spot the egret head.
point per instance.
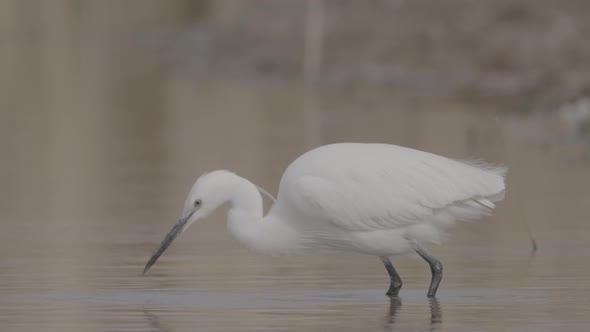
(209, 192)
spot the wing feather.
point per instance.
(387, 187)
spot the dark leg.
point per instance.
(395, 280)
(435, 267)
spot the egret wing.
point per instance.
(390, 192)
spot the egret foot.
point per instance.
(435, 267)
(395, 281)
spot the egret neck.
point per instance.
(269, 234)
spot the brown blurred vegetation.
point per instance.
(530, 53)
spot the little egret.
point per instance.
(375, 199)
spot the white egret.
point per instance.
(376, 199)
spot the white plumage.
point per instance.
(376, 187)
(377, 199)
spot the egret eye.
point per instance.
(198, 203)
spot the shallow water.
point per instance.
(76, 263)
(97, 163)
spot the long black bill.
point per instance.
(172, 234)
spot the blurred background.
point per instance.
(109, 110)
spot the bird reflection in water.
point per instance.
(395, 305)
(435, 314)
(154, 322)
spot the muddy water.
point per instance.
(100, 143)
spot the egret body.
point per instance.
(376, 199)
